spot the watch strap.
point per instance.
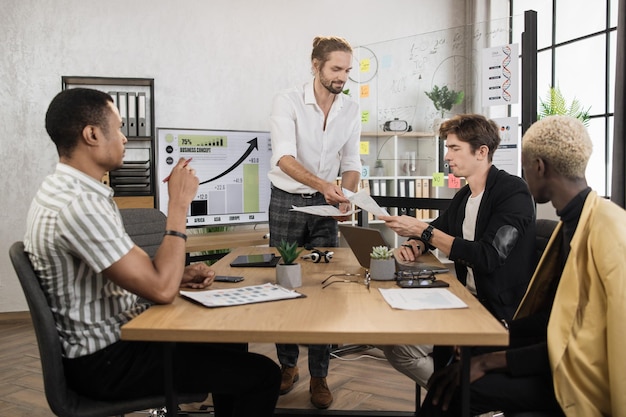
(427, 234)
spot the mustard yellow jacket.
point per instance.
(587, 326)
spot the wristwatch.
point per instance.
(427, 234)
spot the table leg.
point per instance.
(171, 396)
(465, 380)
(418, 398)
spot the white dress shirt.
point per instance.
(297, 129)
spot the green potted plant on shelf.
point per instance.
(382, 264)
(555, 104)
(444, 98)
(288, 272)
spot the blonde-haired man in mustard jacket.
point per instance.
(586, 330)
(567, 338)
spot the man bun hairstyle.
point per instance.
(324, 45)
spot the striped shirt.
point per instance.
(74, 231)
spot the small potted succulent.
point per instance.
(288, 272)
(382, 264)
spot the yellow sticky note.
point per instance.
(453, 182)
(365, 116)
(438, 179)
(365, 65)
(365, 91)
(364, 148)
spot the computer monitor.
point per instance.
(232, 166)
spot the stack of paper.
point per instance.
(421, 298)
(242, 295)
(361, 199)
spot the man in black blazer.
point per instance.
(488, 231)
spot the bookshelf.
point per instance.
(134, 182)
(409, 160)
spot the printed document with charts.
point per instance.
(241, 295)
(421, 298)
(361, 199)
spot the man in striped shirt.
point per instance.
(93, 274)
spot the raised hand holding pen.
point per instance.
(182, 184)
(166, 179)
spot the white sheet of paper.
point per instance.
(324, 210)
(241, 295)
(421, 298)
(366, 202)
(361, 199)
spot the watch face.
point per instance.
(427, 233)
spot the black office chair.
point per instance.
(544, 230)
(63, 401)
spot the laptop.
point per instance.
(362, 239)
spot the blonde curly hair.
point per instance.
(562, 141)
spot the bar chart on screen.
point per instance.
(232, 169)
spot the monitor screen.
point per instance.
(232, 167)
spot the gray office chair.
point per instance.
(145, 226)
(63, 401)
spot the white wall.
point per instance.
(216, 64)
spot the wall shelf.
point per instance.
(133, 183)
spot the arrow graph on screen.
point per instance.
(253, 145)
(232, 167)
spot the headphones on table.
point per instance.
(317, 255)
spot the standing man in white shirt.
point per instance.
(315, 133)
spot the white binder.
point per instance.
(142, 127)
(122, 105)
(132, 114)
(113, 95)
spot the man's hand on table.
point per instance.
(197, 276)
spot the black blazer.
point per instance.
(502, 255)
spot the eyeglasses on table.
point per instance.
(328, 281)
(415, 279)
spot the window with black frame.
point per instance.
(576, 44)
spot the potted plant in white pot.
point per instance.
(288, 273)
(382, 264)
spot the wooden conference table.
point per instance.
(343, 313)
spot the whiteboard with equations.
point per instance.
(393, 76)
(232, 167)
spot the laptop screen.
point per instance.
(362, 239)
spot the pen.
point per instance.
(451, 359)
(166, 179)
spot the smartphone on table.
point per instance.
(227, 278)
